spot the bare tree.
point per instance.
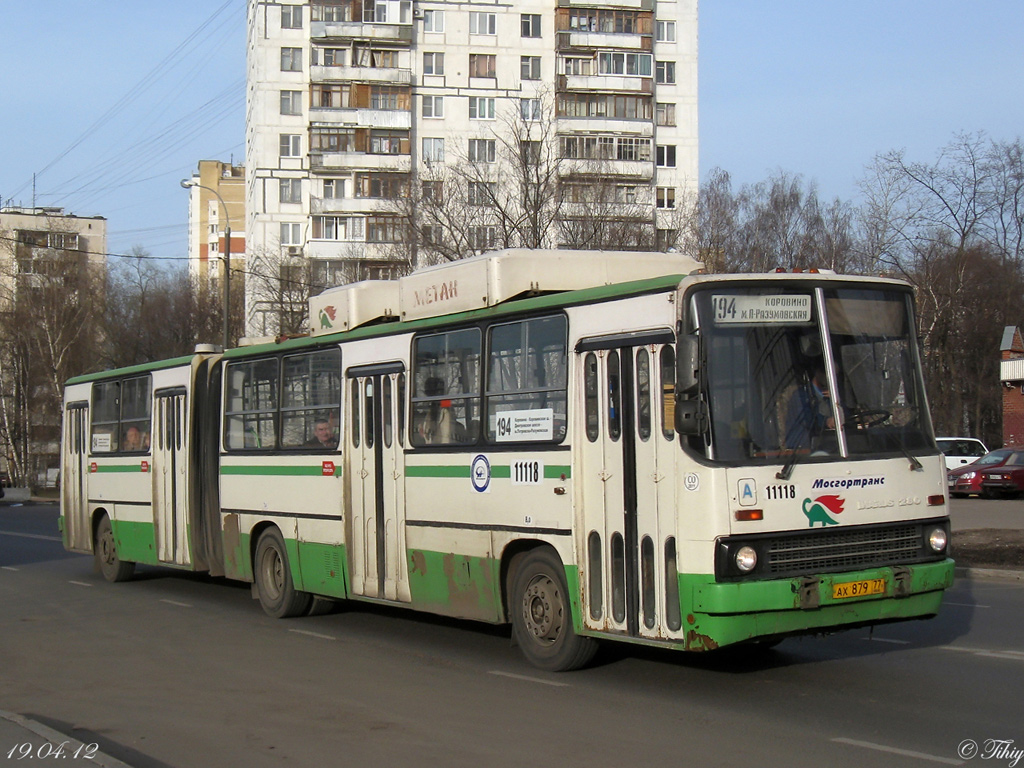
(50, 299)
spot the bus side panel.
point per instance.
(445, 578)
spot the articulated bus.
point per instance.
(586, 445)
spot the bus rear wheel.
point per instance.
(277, 594)
(104, 550)
(542, 616)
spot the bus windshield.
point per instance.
(794, 371)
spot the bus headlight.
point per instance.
(746, 559)
(937, 539)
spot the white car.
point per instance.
(960, 450)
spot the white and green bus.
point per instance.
(586, 445)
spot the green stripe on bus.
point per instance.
(260, 469)
(100, 468)
(499, 471)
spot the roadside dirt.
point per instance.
(988, 548)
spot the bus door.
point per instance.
(377, 481)
(169, 443)
(74, 479)
(628, 502)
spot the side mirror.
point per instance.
(688, 364)
(691, 417)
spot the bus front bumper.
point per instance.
(726, 613)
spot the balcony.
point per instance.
(644, 5)
(620, 83)
(366, 118)
(346, 206)
(358, 30)
(389, 75)
(631, 126)
(604, 40)
(345, 161)
(638, 170)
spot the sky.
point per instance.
(110, 105)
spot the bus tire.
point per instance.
(273, 576)
(104, 550)
(542, 615)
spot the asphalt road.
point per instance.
(180, 670)
(987, 513)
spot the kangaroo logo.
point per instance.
(821, 509)
(327, 317)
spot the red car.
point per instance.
(966, 480)
(1006, 480)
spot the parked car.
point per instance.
(1006, 480)
(960, 451)
(966, 480)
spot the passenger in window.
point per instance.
(145, 441)
(324, 435)
(132, 440)
(438, 426)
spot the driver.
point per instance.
(810, 411)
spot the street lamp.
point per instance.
(188, 184)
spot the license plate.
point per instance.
(995, 477)
(858, 588)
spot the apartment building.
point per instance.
(365, 118)
(216, 207)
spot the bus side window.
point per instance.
(106, 404)
(668, 392)
(591, 400)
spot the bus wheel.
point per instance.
(278, 595)
(105, 554)
(542, 617)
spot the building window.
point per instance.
(338, 228)
(483, 150)
(529, 67)
(291, 190)
(574, 65)
(665, 31)
(483, 23)
(330, 57)
(291, 102)
(483, 65)
(433, 150)
(364, 56)
(433, 63)
(433, 191)
(291, 59)
(530, 24)
(375, 11)
(433, 106)
(291, 233)
(609, 63)
(332, 11)
(666, 197)
(381, 186)
(291, 145)
(666, 155)
(665, 113)
(481, 192)
(334, 189)
(482, 237)
(481, 107)
(665, 72)
(529, 109)
(332, 140)
(383, 229)
(291, 17)
(385, 142)
(433, 21)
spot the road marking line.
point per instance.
(985, 652)
(901, 752)
(175, 602)
(887, 640)
(966, 605)
(528, 679)
(312, 634)
(31, 536)
(80, 583)
(7, 568)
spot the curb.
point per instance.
(54, 737)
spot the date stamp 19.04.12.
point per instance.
(27, 751)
